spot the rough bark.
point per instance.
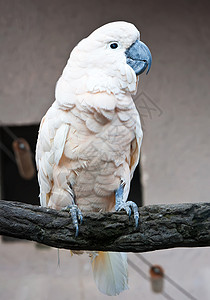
(161, 227)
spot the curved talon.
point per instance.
(76, 216)
(136, 217)
(80, 217)
(128, 207)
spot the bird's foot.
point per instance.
(130, 206)
(76, 216)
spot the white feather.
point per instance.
(110, 272)
(59, 142)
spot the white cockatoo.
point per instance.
(89, 140)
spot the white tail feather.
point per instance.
(110, 272)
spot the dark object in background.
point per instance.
(136, 190)
(156, 278)
(14, 187)
(24, 158)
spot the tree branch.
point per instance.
(161, 227)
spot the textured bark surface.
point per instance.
(161, 227)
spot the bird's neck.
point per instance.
(117, 80)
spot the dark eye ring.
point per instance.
(113, 45)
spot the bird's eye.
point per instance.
(113, 45)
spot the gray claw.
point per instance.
(128, 207)
(80, 217)
(76, 216)
(136, 217)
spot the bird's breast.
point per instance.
(98, 158)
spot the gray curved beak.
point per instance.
(138, 57)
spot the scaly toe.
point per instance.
(76, 216)
(130, 206)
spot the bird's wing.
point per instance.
(136, 145)
(131, 120)
(50, 146)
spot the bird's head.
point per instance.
(109, 60)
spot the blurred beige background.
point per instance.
(36, 38)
